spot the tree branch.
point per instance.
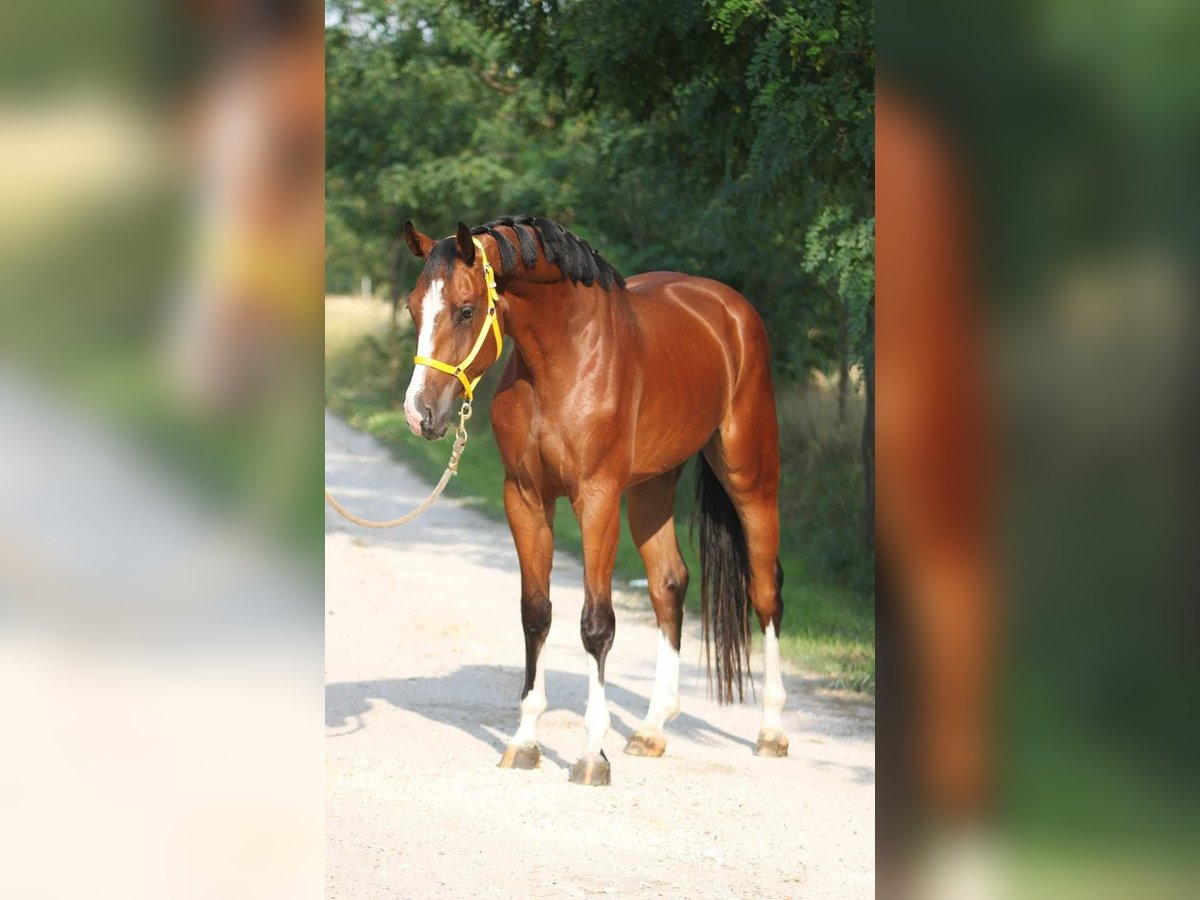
(491, 81)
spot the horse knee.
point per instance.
(676, 583)
(668, 589)
(535, 615)
(597, 626)
(670, 583)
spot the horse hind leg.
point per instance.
(771, 739)
(748, 468)
(652, 525)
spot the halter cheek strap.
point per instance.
(492, 320)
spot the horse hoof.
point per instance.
(771, 743)
(591, 770)
(646, 744)
(520, 756)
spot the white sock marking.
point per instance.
(596, 717)
(432, 309)
(664, 700)
(774, 695)
(532, 706)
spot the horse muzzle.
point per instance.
(425, 421)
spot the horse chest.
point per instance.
(568, 455)
(552, 450)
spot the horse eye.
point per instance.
(467, 312)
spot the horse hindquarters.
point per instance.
(737, 492)
(652, 525)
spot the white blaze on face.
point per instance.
(432, 308)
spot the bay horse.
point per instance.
(612, 386)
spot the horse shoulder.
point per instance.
(512, 414)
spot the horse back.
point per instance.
(716, 322)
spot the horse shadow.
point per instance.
(481, 701)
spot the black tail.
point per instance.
(724, 584)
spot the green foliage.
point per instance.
(710, 134)
(810, 77)
(421, 123)
(839, 251)
(703, 137)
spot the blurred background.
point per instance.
(727, 139)
(160, 292)
(160, 575)
(1038, 215)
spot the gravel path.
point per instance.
(423, 671)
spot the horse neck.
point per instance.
(556, 325)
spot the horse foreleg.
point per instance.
(599, 520)
(531, 521)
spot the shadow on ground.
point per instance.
(482, 701)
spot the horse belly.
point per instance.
(675, 423)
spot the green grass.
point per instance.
(828, 625)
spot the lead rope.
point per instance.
(460, 443)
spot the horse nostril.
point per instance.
(427, 429)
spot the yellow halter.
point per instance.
(460, 371)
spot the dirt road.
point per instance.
(423, 671)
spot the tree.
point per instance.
(419, 111)
(727, 138)
(715, 133)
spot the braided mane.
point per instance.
(571, 253)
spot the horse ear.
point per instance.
(466, 244)
(418, 243)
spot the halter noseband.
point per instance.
(492, 319)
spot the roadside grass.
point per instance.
(828, 625)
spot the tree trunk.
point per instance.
(843, 388)
(843, 362)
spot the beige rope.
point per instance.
(460, 443)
